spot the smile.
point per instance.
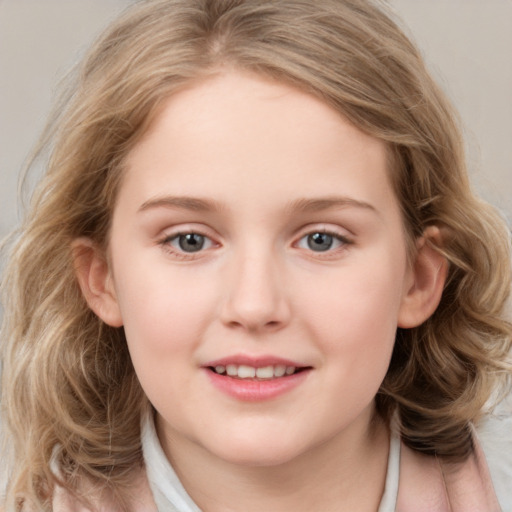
(250, 372)
(255, 379)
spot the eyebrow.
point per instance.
(196, 204)
(326, 203)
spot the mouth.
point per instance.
(256, 378)
(256, 373)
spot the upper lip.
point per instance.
(254, 361)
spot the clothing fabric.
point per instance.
(414, 482)
(495, 434)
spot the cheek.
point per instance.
(164, 325)
(354, 312)
(164, 310)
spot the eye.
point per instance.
(321, 241)
(188, 242)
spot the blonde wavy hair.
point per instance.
(70, 396)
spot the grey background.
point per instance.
(467, 44)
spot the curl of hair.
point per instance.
(69, 391)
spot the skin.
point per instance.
(273, 165)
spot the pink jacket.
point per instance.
(429, 485)
(426, 484)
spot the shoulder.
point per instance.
(432, 483)
(140, 498)
(495, 434)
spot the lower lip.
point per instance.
(256, 390)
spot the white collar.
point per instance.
(170, 495)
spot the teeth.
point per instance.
(279, 370)
(249, 372)
(246, 372)
(267, 372)
(232, 370)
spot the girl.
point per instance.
(254, 276)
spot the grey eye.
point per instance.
(320, 242)
(189, 242)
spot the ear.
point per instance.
(426, 281)
(95, 280)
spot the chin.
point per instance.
(260, 451)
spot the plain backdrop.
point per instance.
(467, 44)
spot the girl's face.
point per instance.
(258, 265)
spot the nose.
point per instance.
(256, 297)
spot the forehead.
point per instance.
(239, 134)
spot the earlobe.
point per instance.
(95, 281)
(428, 276)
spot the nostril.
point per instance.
(273, 323)
(254, 310)
(255, 326)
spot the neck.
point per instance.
(347, 472)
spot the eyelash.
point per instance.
(343, 241)
(165, 242)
